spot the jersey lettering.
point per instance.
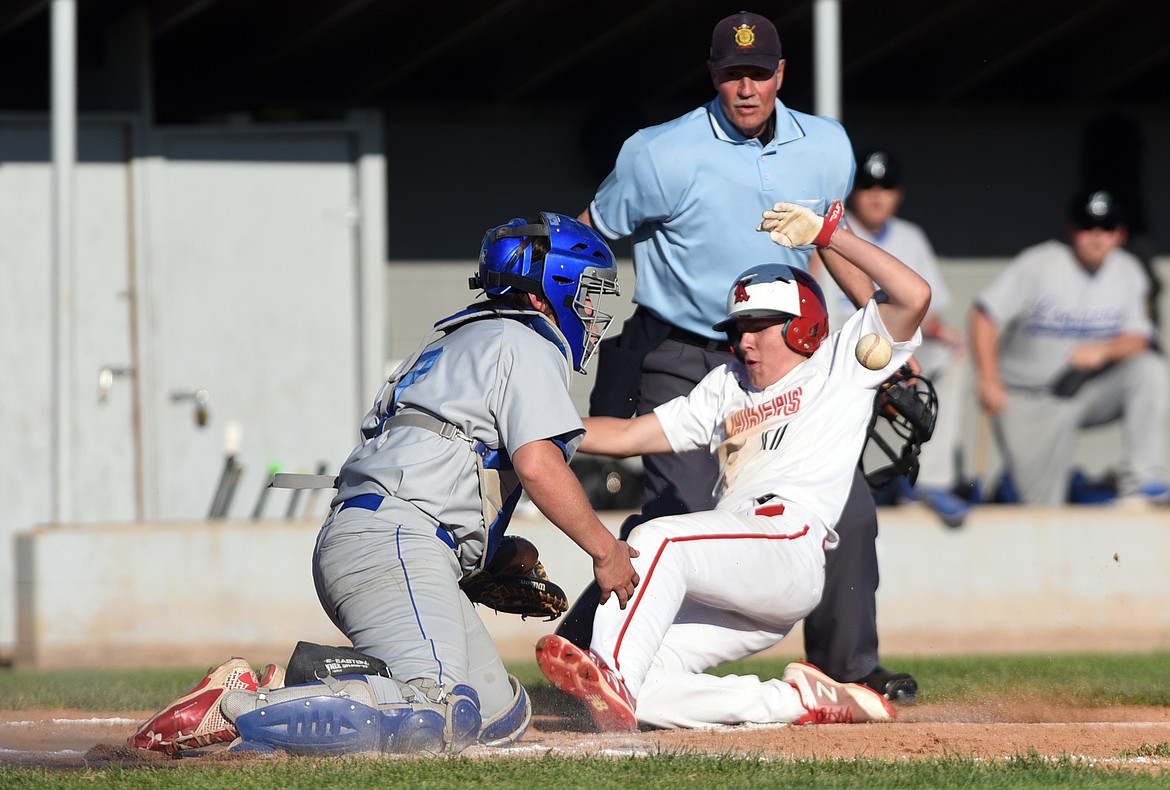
(785, 404)
(425, 363)
(770, 440)
(1073, 321)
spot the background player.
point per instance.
(1062, 340)
(688, 192)
(479, 411)
(872, 212)
(786, 420)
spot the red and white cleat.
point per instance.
(271, 676)
(582, 674)
(194, 719)
(830, 702)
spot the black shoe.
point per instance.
(897, 687)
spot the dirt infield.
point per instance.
(65, 738)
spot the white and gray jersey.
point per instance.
(798, 439)
(1045, 303)
(500, 383)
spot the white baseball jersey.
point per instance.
(800, 438)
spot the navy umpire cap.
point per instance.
(745, 39)
(877, 169)
(1096, 209)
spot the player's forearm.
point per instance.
(984, 338)
(623, 438)
(853, 282)
(1124, 346)
(556, 492)
(907, 294)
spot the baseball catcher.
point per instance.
(479, 414)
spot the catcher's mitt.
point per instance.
(516, 583)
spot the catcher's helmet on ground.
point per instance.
(910, 408)
(565, 262)
(773, 289)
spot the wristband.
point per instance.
(832, 220)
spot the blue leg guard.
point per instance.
(312, 725)
(510, 724)
(463, 718)
(336, 718)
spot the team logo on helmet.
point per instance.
(745, 36)
(741, 294)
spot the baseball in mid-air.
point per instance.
(874, 351)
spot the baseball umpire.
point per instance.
(685, 191)
(480, 412)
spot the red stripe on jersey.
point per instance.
(645, 584)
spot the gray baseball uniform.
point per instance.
(408, 523)
(1044, 304)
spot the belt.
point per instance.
(691, 339)
(374, 501)
(770, 510)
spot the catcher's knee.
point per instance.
(343, 716)
(510, 724)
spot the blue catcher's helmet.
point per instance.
(571, 271)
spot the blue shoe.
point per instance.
(1156, 493)
(950, 508)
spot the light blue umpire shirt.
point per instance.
(691, 192)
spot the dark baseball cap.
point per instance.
(877, 169)
(745, 39)
(1096, 209)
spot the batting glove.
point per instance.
(791, 225)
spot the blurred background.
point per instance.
(268, 202)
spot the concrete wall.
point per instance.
(1012, 579)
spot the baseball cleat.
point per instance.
(271, 677)
(194, 720)
(1156, 493)
(830, 702)
(582, 674)
(895, 686)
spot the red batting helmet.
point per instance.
(773, 289)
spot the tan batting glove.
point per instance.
(792, 225)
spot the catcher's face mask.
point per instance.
(903, 414)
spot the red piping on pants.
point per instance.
(658, 555)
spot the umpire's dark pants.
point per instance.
(840, 635)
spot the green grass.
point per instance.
(95, 689)
(1078, 679)
(667, 771)
(1083, 679)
